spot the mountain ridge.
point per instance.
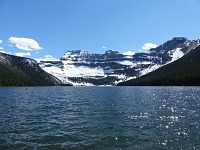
(80, 67)
(21, 71)
(183, 72)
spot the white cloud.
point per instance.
(1, 51)
(47, 58)
(104, 47)
(21, 54)
(129, 53)
(148, 46)
(25, 43)
(1, 41)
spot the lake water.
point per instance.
(100, 118)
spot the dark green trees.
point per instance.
(19, 71)
(183, 72)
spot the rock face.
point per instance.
(20, 71)
(80, 67)
(183, 72)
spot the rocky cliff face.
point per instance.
(80, 67)
(183, 72)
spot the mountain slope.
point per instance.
(184, 71)
(80, 67)
(19, 71)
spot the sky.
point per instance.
(45, 28)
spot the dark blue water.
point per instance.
(100, 118)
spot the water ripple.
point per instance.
(100, 118)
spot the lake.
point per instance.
(100, 118)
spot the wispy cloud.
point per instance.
(148, 46)
(47, 58)
(1, 41)
(104, 47)
(21, 54)
(27, 44)
(2, 51)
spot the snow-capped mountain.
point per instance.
(80, 67)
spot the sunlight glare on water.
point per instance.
(100, 118)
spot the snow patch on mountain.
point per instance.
(149, 69)
(82, 71)
(81, 67)
(128, 63)
(129, 53)
(176, 54)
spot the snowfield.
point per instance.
(78, 66)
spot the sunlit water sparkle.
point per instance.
(100, 118)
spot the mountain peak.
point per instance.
(179, 39)
(111, 52)
(81, 67)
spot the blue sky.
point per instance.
(35, 28)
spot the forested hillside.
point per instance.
(183, 72)
(19, 71)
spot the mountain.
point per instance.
(80, 67)
(19, 71)
(185, 71)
